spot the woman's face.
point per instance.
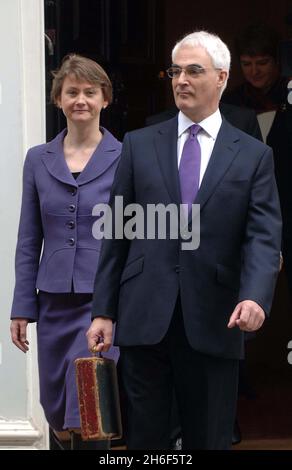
(81, 101)
(261, 71)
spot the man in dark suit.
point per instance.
(181, 313)
(244, 119)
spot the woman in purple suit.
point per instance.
(57, 255)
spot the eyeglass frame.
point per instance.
(197, 70)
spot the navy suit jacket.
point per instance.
(138, 281)
(56, 215)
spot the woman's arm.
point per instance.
(29, 245)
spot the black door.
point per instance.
(127, 38)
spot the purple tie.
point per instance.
(189, 168)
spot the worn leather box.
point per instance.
(98, 396)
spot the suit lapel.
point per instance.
(54, 160)
(224, 152)
(103, 157)
(166, 151)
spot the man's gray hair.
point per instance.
(213, 45)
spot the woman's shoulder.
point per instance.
(33, 155)
(37, 150)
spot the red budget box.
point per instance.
(98, 396)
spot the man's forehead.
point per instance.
(192, 55)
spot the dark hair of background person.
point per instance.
(258, 39)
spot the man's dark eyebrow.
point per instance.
(189, 65)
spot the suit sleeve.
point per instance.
(262, 243)
(114, 251)
(28, 250)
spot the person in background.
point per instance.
(180, 314)
(265, 91)
(56, 254)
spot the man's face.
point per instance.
(198, 95)
(261, 71)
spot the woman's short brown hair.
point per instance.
(81, 68)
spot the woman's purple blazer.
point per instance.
(56, 249)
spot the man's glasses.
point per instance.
(192, 70)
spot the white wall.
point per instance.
(22, 124)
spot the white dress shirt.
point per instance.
(206, 137)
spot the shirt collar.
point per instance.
(210, 124)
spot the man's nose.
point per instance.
(182, 78)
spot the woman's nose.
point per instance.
(80, 98)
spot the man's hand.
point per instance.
(247, 315)
(99, 335)
(18, 328)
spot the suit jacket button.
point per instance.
(70, 224)
(72, 208)
(72, 190)
(177, 268)
(71, 241)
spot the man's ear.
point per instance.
(222, 77)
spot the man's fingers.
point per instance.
(234, 316)
(247, 316)
(107, 341)
(97, 347)
(99, 335)
(103, 344)
(251, 318)
(244, 318)
(253, 324)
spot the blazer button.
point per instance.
(177, 268)
(72, 208)
(72, 190)
(70, 224)
(71, 241)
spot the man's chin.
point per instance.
(181, 103)
(183, 107)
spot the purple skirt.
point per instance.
(63, 322)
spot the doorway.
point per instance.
(132, 41)
(124, 37)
